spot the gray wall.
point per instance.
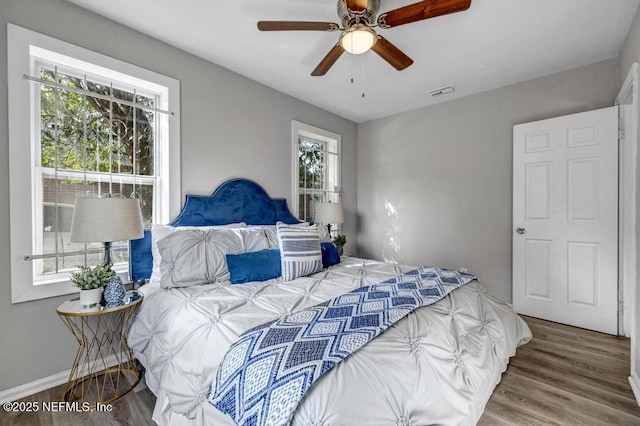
(630, 51)
(435, 184)
(231, 127)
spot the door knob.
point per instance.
(521, 230)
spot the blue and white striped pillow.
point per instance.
(299, 250)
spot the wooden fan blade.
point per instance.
(423, 10)
(390, 53)
(327, 62)
(297, 26)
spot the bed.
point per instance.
(437, 365)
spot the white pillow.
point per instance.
(323, 233)
(300, 251)
(272, 233)
(158, 232)
(196, 256)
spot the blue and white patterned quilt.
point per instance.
(270, 368)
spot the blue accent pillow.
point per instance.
(330, 255)
(260, 265)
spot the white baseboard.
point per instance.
(634, 380)
(19, 392)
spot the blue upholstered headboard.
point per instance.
(236, 200)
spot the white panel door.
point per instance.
(565, 218)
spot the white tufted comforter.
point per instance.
(438, 365)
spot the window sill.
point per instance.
(47, 290)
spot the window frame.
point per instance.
(299, 129)
(25, 49)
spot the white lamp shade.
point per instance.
(358, 40)
(106, 220)
(329, 213)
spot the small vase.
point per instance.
(90, 298)
(340, 249)
(114, 292)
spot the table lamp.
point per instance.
(329, 213)
(105, 220)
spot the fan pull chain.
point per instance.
(352, 80)
(351, 64)
(363, 74)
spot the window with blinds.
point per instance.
(316, 169)
(81, 123)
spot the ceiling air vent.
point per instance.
(442, 91)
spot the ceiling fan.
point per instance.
(358, 19)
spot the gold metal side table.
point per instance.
(104, 368)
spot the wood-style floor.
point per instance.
(564, 376)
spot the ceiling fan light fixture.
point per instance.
(358, 39)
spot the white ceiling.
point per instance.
(493, 44)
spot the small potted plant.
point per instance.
(340, 240)
(91, 282)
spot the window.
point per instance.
(81, 123)
(316, 169)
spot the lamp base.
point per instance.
(107, 253)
